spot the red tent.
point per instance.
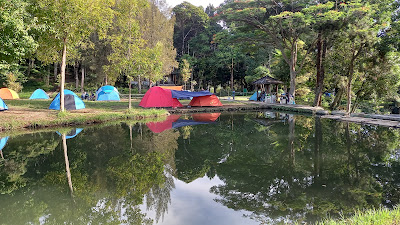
(158, 127)
(159, 97)
(210, 100)
(206, 117)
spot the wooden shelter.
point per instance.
(265, 84)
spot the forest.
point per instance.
(335, 54)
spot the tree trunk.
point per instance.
(55, 72)
(48, 76)
(320, 75)
(293, 62)
(130, 94)
(232, 75)
(349, 79)
(106, 80)
(183, 38)
(76, 76)
(67, 169)
(337, 100)
(139, 84)
(62, 83)
(82, 78)
(31, 64)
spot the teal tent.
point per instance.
(39, 94)
(3, 105)
(254, 96)
(72, 101)
(3, 142)
(72, 133)
(107, 93)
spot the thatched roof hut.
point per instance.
(267, 80)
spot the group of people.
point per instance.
(283, 99)
(86, 96)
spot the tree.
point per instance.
(186, 71)
(157, 29)
(16, 39)
(127, 56)
(357, 42)
(190, 20)
(281, 24)
(66, 24)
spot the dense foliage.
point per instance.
(338, 54)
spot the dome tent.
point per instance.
(210, 100)
(72, 101)
(72, 133)
(159, 97)
(39, 94)
(3, 105)
(3, 142)
(254, 96)
(6, 93)
(107, 93)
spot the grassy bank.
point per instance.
(35, 114)
(376, 217)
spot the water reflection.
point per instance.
(3, 142)
(174, 121)
(269, 167)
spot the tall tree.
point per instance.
(16, 39)
(190, 20)
(127, 57)
(66, 24)
(282, 24)
(186, 71)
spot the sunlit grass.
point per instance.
(373, 216)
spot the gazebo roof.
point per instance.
(267, 80)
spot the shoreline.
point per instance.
(30, 115)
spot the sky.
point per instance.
(203, 3)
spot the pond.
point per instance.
(233, 168)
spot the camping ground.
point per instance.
(24, 113)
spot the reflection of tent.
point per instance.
(183, 123)
(206, 117)
(39, 94)
(72, 133)
(107, 93)
(3, 142)
(158, 127)
(254, 96)
(3, 105)
(210, 100)
(72, 101)
(159, 97)
(172, 121)
(6, 93)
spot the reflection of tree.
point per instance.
(335, 180)
(110, 179)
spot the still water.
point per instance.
(252, 168)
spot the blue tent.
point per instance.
(3, 105)
(107, 93)
(72, 101)
(188, 94)
(3, 142)
(39, 94)
(183, 123)
(254, 96)
(72, 133)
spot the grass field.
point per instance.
(369, 217)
